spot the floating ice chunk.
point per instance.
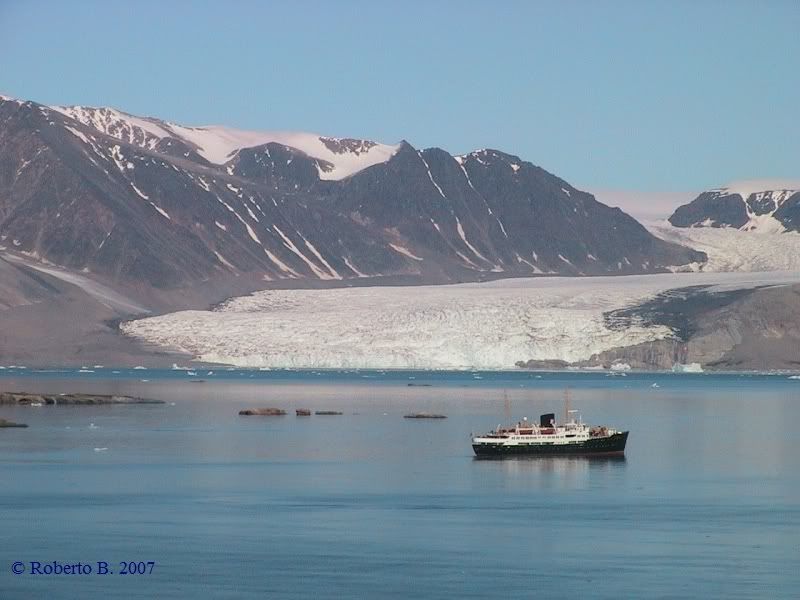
(688, 368)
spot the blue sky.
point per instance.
(655, 96)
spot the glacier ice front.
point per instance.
(488, 325)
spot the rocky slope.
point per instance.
(748, 329)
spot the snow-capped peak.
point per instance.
(5, 98)
(219, 144)
(762, 199)
(745, 188)
(485, 156)
(123, 126)
(767, 206)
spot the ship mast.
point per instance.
(567, 399)
(506, 406)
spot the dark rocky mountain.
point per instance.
(753, 329)
(749, 206)
(141, 202)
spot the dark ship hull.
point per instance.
(612, 445)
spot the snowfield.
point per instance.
(476, 325)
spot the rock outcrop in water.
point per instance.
(5, 423)
(262, 412)
(24, 398)
(424, 415)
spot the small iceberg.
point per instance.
(794, 376)
(92, 426)
(100, 449)
(688, 368)
(655, 385)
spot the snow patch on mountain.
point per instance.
(487, 325)
(218, 144)
(139, 131)
(404, 251)
(759, 186)
(5, 98)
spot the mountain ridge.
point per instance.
(115, 198)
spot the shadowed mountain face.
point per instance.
(144, 203)
(773, 209)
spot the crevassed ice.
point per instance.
(730, 249)
(490, 325)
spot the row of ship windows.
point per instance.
(550, 437)
(552, 443)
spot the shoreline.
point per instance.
(209, 374)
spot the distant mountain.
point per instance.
(761, 206)
(144, 203)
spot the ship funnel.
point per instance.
(547, 420)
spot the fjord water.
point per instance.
(371, 505)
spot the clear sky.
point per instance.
(634, 95)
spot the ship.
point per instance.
(548, 438)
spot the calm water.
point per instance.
(371, 505)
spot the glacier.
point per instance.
(477, 325)
(730, 249)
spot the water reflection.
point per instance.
(554, 463)
(549, 472)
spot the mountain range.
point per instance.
(106, 215)
(142, 202)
